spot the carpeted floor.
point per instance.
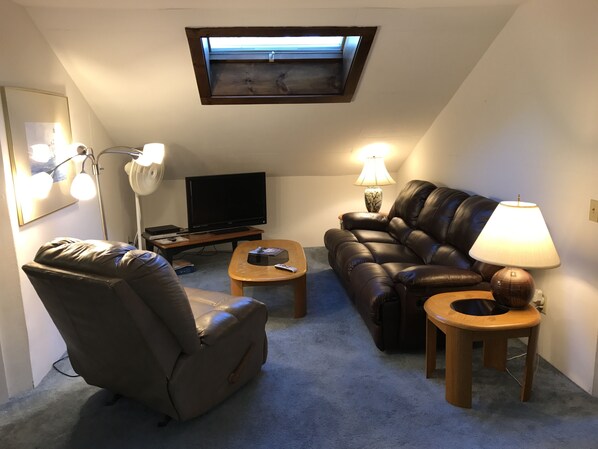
(325, 385)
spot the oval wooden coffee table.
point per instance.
(242, 273)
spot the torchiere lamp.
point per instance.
(374, 175)
(515, 237)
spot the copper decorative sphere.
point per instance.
(512, 287)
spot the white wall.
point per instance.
(525, 122)
(300, 208)
(29, 341)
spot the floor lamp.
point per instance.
(83, 186)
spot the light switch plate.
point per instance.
(594, 210)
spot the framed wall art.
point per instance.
(38, 120)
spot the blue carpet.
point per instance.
(325, 385)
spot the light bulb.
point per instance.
(40, 185)
(41, 152)
(154, 151)
(83, 187)
(144, 160)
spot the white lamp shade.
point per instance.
(83, 187)
(153, 153)
(516, 236)
(41, 184)
(374, 173)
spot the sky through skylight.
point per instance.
(299, 43)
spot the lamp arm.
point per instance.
(129, 151)
(51, 172)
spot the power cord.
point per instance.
(62, 372)
(537, 363)
(202, 251)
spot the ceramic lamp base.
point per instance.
(512, 287)
(373, 199)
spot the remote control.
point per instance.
(282, 266)
(259, 249)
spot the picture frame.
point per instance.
(33, 119)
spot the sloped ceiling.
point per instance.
(131, 61)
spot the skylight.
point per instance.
(249, 65)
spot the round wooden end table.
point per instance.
(462, 329)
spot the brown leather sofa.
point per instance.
(391, 264)
(130, 326)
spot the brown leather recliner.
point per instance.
(130, 326)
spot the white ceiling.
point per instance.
(131, 61)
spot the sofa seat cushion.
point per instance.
(437, 276)
(392, 252)
(394, 268)
(367, 235)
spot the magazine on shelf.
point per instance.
(182, 266)
(173, 239)
(161, 236)
(266, 251)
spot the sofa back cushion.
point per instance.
(439, 210)
(448, 255)
(410, 201)
(423, 245)
(399, 230)
(469, 220)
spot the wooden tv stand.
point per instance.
(169, 250)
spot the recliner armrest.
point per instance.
(213, 325)
(437, 276)
(365, 220)
(217, 313)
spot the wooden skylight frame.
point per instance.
(259, 77)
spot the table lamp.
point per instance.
(373, 175)
(515, 237)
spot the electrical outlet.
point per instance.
(539, 301)
(594, 210)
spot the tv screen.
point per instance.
(222, 202)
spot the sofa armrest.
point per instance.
(365, 220)
(437, 276)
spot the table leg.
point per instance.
(430, 348)
(236, 287)
(300, 286)
(495, 353)
(458, 367)
(530, 359)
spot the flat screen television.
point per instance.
(222, 202)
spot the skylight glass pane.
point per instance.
(299, 43)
